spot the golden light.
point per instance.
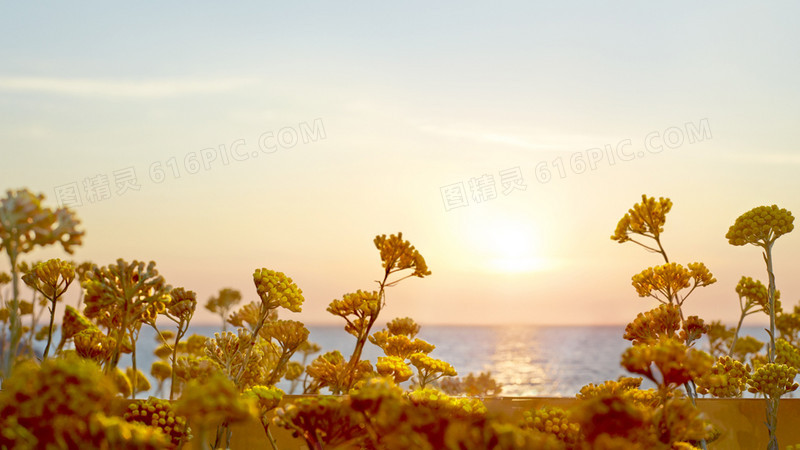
(507, 246)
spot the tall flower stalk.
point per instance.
(121, 297)
(24, 225)
(762, 226)
(669, 282)
(51, 279)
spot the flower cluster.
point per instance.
(51, 278)
(276, 289)
(394, 367)
(665, 281)
(249, 315)
(159, 414)
(727, 378)
(209, 403)
(403, 326)
(755, 294)
(614, 421)
(786, 353)
(646, 218)
(430, 369)
(26, 224)
(266, 398)
(321, 421)
(760, 226)
(773, 380)
(397, 255)
(745, 346)
(676, 363)
(361, 304)
(481, 385)
(53, 402)
(648, 327)
(554, 421)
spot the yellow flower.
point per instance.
(397, 255)
(614, 418)
(755, 294)
(481, 385)
(73, 323)
(289, 334)
(679, 422)
(249, 315)
(760, 226)
(676, 362)
(142, 383)
(430, 369)
(746, 345)
(394, 367)
(159, 414)
(361, 304)
(666, 280)
(693, 329)
(650, 326)
(92, 344)
(276, 289)
(26, 224)
(400, 345)
(160, 370)
(646, 218)
(727, 378)
(403, 326)
(51, 278)
(458, 408)
(213, 401)
(773, 380)
(266, 398)
(293, 371)
(322, 421)
(555, 421)
(786, 353)
(182, 304)
(115, 432)
(56, 400)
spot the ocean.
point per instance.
(528, 361)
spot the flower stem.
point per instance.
(50, 330)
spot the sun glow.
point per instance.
(507, 246)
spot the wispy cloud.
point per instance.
(769, 159)
(120, 88)
(542, 142)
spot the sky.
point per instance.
(503, 141)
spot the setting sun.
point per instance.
(507, 245)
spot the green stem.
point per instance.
(736, 334)
(362, 340)
(772, 423)
(768, 259)
(50, 331)
(271, 438)
(14, 323)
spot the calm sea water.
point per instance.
(545, 361)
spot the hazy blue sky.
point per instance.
(361, 119)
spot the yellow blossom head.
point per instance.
(398, 254)
(403, 326)
(646, 218)
(760, 226)
(209, 403)
(276, 289)
(393, 367)
(773, 380)
(756, 294)
(727, 378)
(51, 278)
